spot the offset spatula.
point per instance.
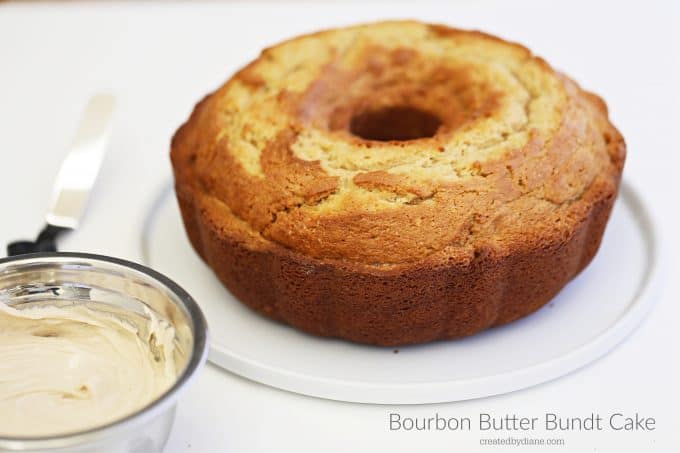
(76, 177)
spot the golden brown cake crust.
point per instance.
(398, 182)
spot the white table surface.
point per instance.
(159, 59)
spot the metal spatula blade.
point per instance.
(79, 170)
(76, 176)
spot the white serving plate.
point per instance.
(594, 313)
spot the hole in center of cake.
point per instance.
(397, 123)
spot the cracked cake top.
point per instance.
(395, 142)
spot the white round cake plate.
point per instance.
(594, 313)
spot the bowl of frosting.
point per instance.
(94, 353)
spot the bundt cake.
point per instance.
(397, 182)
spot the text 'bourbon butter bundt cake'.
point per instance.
(397, 182)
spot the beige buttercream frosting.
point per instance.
(71, 367)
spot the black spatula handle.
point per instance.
(46, 242)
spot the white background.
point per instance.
(160, 59)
